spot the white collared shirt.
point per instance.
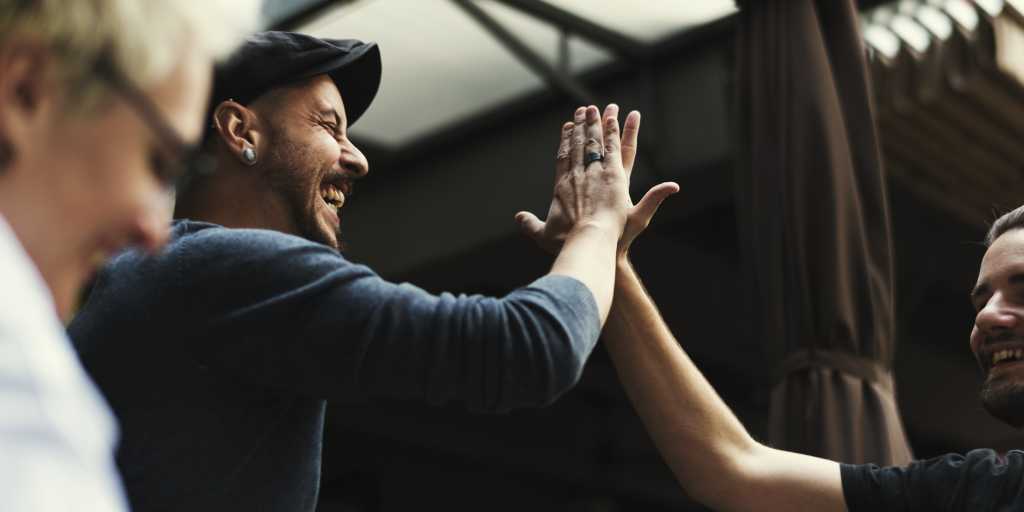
(57, 434)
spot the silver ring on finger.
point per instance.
(591, 157)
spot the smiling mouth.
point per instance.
(1007, 356)
(333, 195)
(1001, 357)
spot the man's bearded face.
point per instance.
(997, 339)
(311, 164)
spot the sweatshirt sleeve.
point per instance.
(296, 315)
(978, 480)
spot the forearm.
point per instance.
(694, 430)
(588, 255)
(708, 449)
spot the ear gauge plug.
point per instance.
(249, 155)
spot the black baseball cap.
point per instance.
(272, 59)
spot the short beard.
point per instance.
(287, 173)
(1004, 399)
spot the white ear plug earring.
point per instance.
(249, 155)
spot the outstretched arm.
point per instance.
(705, 445)
(589, 204)
(708, 449)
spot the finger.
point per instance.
(612, 110)
(645, 209)
(594, 133)
(530, 225)
(576, 151)
(562, 160)
(611, 134)
(630, 132)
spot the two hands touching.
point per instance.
(592, 221)
(591, 224)
(595, 193)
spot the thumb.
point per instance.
(529, 224)
(647, 206)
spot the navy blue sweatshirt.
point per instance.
(218, 356)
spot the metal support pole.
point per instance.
(620, 44)
(558, 81)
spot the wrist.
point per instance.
(601, 226)
(622, 260)
(624, 271)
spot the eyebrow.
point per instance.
(984, 288)
(979, 291)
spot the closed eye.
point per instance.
(333, 130)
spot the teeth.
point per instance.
(333, 196)
(1003, 355)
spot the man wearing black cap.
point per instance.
(218, 355)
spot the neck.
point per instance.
(235, 197)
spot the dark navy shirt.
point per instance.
(980, 481)
(218, 354)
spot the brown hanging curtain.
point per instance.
(815, 231)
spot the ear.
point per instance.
(26, 95)
(237, 127)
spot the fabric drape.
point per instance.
(815, 230)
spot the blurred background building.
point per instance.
(463, 133)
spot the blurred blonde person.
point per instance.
(100, 103)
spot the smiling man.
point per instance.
(218, 355)
(998, 336)
(279, 131)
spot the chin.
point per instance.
(323, 236)
(1004, 399)
(330, 238)
(313, 228)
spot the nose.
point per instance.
(152, 225)
(995, 317)
(353, 160)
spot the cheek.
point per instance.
(109, 179)
(326, 148)
(975, 340)
(323, 157)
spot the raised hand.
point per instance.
(591, 186)
(619, 154)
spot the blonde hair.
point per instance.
(142, 39)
